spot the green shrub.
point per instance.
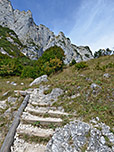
(103, 52)
(53, 66)
(81, 65)
(29, 72)
(51, 53)
(104, 67)
(72, 63)
(10, 67)
(51, 61)
(110, 65)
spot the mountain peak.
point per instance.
(37, 37)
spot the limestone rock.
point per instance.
(71, 51)
(38, 80)
(4, 52)
(6, 93)
(106, 75)
(38, 97)
(38, 38)
(12, 99)
(94, 86)
(3, 104)
(95, 89)
(79, 136)
(13, 83)
(23, 146)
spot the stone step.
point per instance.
(43, 104)
(21, 145)
(43, 111)
(34, 131)
(29, 118)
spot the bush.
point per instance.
(10, 67)
(72, 63)
(53, 66)
(103, 52)
(81, 65)
(29, 72)
(50, 62)
(104, 67)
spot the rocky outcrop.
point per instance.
(71, 51)
(10, 45)
(38, 38)
(79, 136)
(38, 80)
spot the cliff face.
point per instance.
(38, 38)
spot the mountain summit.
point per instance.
(38, 38)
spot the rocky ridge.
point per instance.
(38, 38)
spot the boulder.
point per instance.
(107, 75)
(6, 93)
(79, 136)
(13, 83)
(12, 100)
(3, 104)
(94, 86)
(38, 80)
(95, 89)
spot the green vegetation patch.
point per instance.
(81, 65)
(10, 47)
(88, 103)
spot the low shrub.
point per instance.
(29, 72)
(50, 62)
(104, 67)
(81, 65)
(72, 63)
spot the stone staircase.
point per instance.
(37, 124)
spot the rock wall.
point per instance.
(38, 38)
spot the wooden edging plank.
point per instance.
(6, 146)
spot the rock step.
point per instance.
(21, 145)
(43, 104)
(31, 119)
(43, 111)
(34, 131)
(41, 107)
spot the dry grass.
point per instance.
(5, 121)
(87, 105)
(72, 81)
(4, 87)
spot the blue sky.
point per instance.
(85, 22)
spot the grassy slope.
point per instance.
(87, 105)
(12, 49)
(6, 121)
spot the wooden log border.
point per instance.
(6, 146)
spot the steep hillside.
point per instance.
(38, 38)
(10, 45)
(89, 89)
(50, 62)
(87, 93)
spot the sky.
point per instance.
(85, 22)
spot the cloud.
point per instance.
(94, 24)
